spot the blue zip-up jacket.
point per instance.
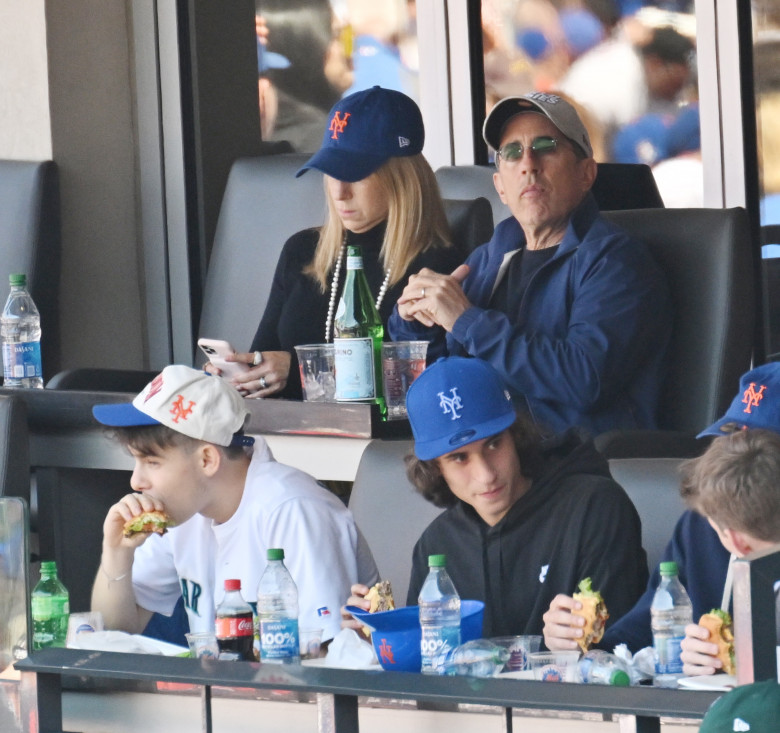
(588, 344)
(702, 562)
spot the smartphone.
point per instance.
(216, 351)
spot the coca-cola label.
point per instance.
(231, 626)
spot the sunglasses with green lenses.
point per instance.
(541, 145)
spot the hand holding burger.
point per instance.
(146, 522)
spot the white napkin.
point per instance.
(120, 641)
(349, 651)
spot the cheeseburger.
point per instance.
(718, 623)
(594, 611)
(153, 521)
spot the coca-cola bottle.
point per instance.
(235, 627)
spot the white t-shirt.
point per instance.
(280, 507)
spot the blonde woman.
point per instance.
(383, 196)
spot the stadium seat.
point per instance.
(617, 186)
(653, 485)
(707, 255)
(14, 448)
(389, 512)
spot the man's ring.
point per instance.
(263, 385)
(258, 359)
(423, 292)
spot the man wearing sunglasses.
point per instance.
(573, 313)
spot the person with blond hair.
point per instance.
(382, 195)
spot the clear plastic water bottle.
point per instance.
(670, 612)
(20, 329)
(277, 610)
(50, 608)
(599, 667)
(439, 604)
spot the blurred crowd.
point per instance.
(629, 66)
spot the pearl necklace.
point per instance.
(334, 287)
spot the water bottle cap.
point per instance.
(233, 584)
(619, 678)
(17, 278)
(437, 561)
(275, 553)
(669, 568)
(49, 567)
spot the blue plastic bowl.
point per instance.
(396, 634)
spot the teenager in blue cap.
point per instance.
(381, 195)
(526, 517)
(701, 556)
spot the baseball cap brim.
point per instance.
(122, 416)
(727, 426)
(427, 450)
(502, 113)
(343, 165)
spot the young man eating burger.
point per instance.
(226, 501)
(527, 516)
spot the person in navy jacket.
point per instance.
(572, 312)
(701, 556)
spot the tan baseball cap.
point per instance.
(555, 108)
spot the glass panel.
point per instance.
(766, 50)
(312, 52)
(628, 65)
(14, 594)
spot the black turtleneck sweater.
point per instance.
(296, 310)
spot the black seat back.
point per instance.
(707, 256)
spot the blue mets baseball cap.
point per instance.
(757, 404)
(454, 402)
(364, 131)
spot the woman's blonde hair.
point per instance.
(415, 220)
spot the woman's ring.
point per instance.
(258, 359)
(263, 385)
(423, 292)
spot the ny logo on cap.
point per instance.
(338, 123)
(450, 405)
(751, 398)
(179, 411)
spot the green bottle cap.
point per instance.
(275, 553)
(619, 678)
(437, 561)
(669, 568)
(17, 278)
(48, 567)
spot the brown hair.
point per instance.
(426, 477)
(151, 440)
(415, 220)
(735, 483)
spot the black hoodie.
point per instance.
(574, 522)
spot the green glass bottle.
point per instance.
(358, 335)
